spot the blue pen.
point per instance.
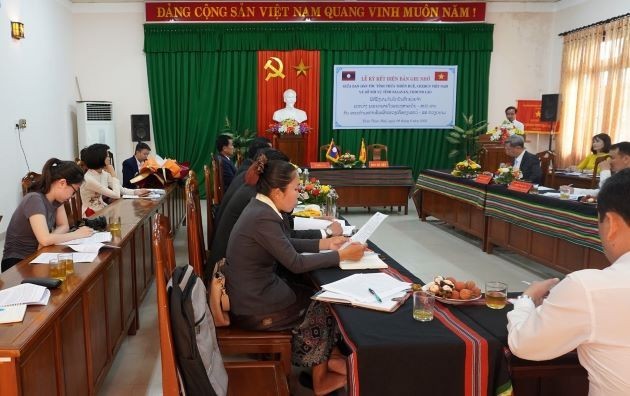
(372, 292)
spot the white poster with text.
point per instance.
(394, 97)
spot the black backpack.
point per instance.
(199, 361)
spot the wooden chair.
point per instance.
(547, 159)
(217, 173)
(594, 179)
(194, 228)
(28, 181)
(375, 152)
(232, 341)
(244, 378)
(209, 212)
(324, 149)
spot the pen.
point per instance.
(372, 292)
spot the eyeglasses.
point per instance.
(74, 189)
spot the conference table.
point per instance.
(68, 346)
(462, 351)
(562, 178)
(368, 187)
(561, 234)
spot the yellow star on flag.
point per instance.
(301, 68)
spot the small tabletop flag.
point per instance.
(332, 154)
(363, 152)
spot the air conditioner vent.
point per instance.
(99, 111)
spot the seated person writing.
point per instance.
(100, 180)
(231, 211)
(40, 219)
(259, 298)
(619, 159)
(600, 146)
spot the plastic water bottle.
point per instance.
(331, 203)
(305, 177)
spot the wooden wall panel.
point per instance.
(126, 278)
(38, 371)
(73, 350)
(114, 304)
(97, 317)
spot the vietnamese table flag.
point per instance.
(297, 70)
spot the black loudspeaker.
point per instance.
(549, 108)
(140, 128)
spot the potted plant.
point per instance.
(240, 140)
(465, 140)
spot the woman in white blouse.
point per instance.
(101, 180)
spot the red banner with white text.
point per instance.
(314, 11)
(297, 70)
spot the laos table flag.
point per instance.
(332, 154)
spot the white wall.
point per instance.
(109, 61)
(36, 80)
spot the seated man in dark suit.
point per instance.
(527, 163)
(225, 148)
(257, 144)
(132, 165)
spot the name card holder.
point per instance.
(319, 165)
(484, 178)
(520, 186)
(378, 164)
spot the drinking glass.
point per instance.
(423, 306)
(66, 260)
(565, 192)
(114, 223)
(57, 270)
(496, 294)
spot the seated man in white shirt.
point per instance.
(588, 310)
(619, 159)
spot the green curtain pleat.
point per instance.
(200, 73)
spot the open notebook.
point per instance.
(378, 291)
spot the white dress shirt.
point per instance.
(517, 161)
(519, 125)
(588, 310)
(603, 175)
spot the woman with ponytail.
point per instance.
(40, 219)
(259, 299)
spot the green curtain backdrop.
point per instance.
(200, 73)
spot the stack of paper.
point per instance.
(150, 195)
(97, 237)
(12, 314)
(307, 223)
(370, 260)
(44, 258)
(378, 291)
(26, 293)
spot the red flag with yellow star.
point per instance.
(441, 76)
(297, 70)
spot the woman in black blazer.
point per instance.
(259, 298)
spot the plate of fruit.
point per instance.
(451, 291)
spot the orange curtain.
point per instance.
(272, 84)
(595, 88)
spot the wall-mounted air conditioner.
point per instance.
(95, 124)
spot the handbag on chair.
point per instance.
(219, 300)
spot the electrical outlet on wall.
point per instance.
(22, 123)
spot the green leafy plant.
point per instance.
(241, 140)
(465, 140)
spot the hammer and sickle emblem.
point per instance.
(277, 71)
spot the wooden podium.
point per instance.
(294, 146)
(492, 154)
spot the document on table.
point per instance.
(306, 223)
(26, 293)
(368, 261)
(12, 314)
(366, 231)
(557, 195)
(378, 291)
(44, 258)
(148, 196)
(97, 237)
(91, 247)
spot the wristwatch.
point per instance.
(329, 232)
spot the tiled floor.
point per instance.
(426, 249)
